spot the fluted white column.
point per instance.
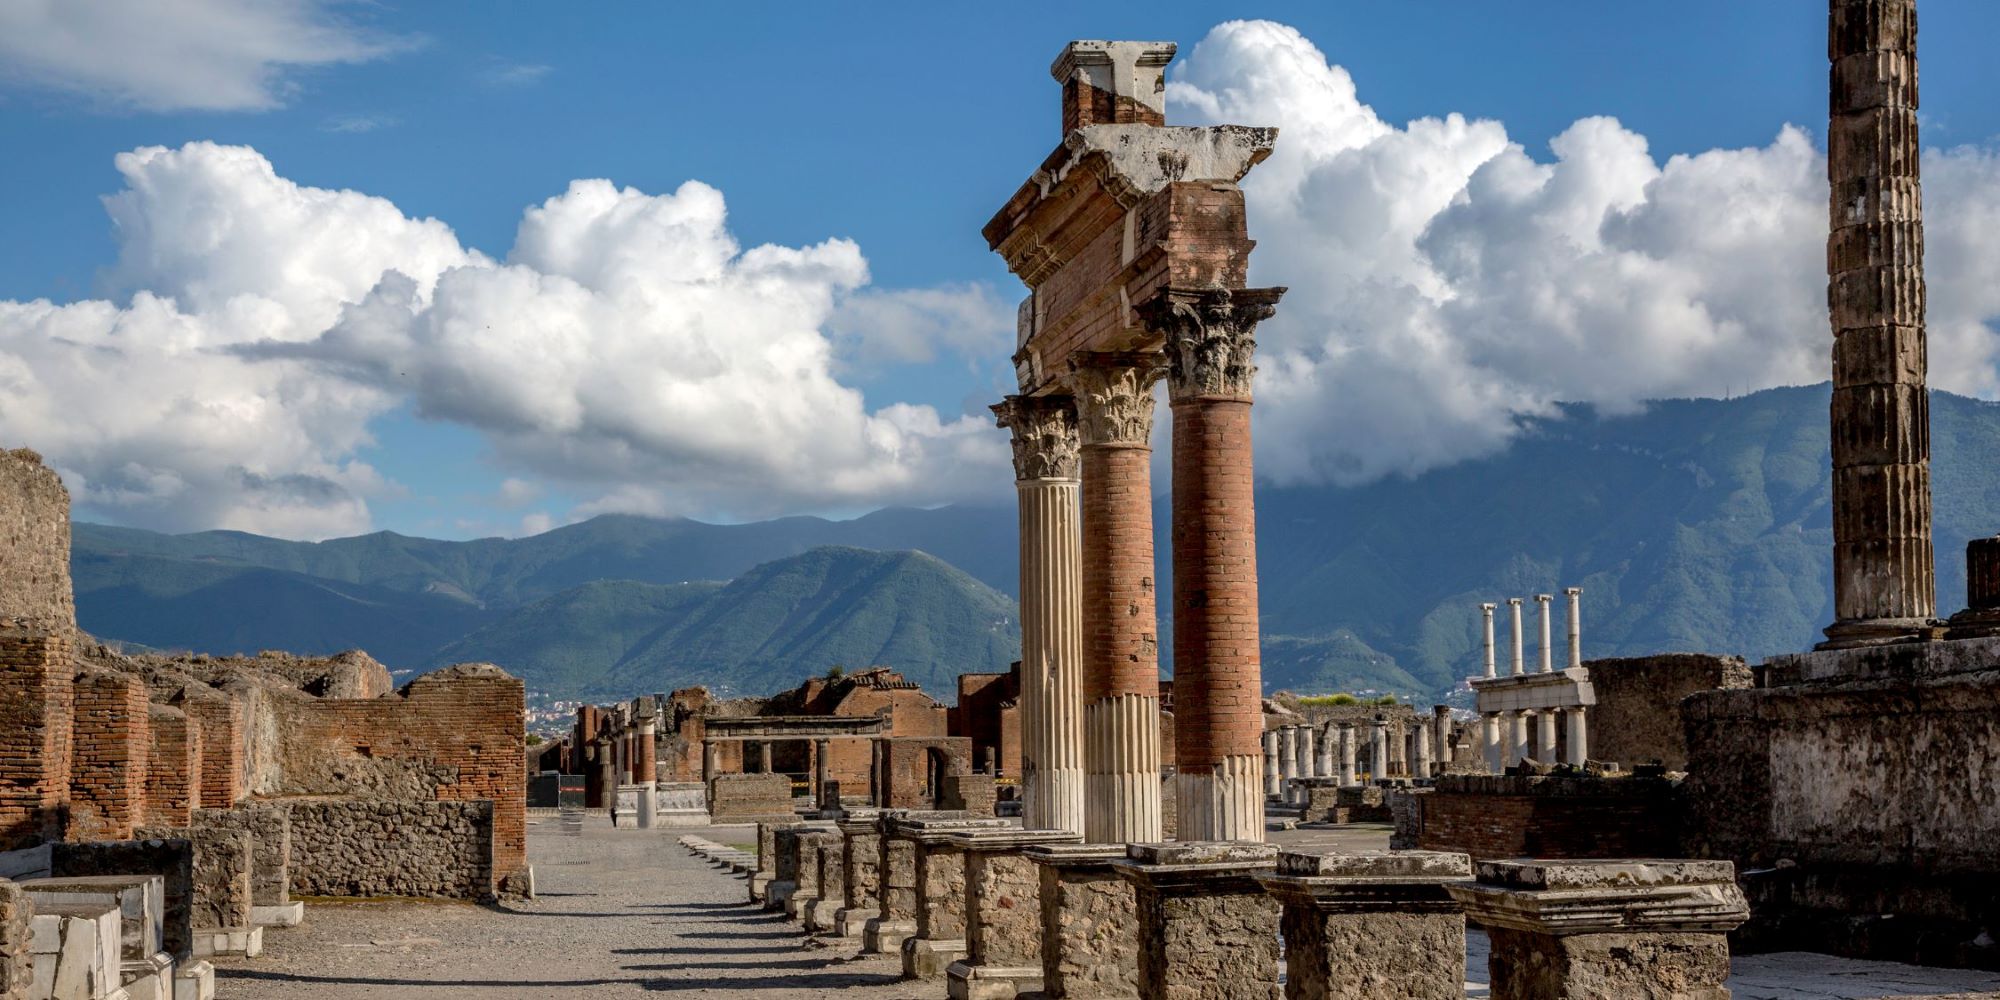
(1308, 750)
(1545, 731)
(1272, 782)
(1441, 720)
(1420, 766)
(1579, 737)
(1046, 486)
(1378, 750)
(1326, 753)
(1486, 613)
(1547, 601)
(1489, 741)
(1517, 737)
(1575, 595)
(1518, 662)
(1347, 770)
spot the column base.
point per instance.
(964, 981)
(797, 901)
(818, 915)
(760, 886)
(289, 915)
(930, 958)
(1090, 948)
(1974, 623)
(245, 941)
(1881, 632)
(886, 937)
(852, 921)
(778, 892)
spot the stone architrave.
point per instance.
(1046, 485)
(1121, 673)
(1207, 929)
(1883, 586)
(1090, 947)
(1371, 924)
(1210, 336)
(1581, 930)
(1003, 925)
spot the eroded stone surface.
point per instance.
(1593, 966)
(1091, 941)
(1214, 946)
(1365, 956)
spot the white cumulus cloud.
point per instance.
(178, 55)
(627, 348)
(1445, 283)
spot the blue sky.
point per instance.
(901, 127)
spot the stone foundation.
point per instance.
(1582, 930)
(896, 870)
(1366, 925)
(353, 847)
(939, 939)
(1090, 944)
(1003, 935)
(1207, 930)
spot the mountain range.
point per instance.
(1691, 525)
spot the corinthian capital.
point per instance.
(1211, 336)
(1114, 396)
(1044, 435)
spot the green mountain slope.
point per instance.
(1692, 525)
(761, 632)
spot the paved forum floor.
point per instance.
(626, 913)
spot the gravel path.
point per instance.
(622, 913)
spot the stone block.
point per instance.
(75, 948)
(939, 876)
(1090, 946)
(1207, 930)
(1003, 927)
(221, 882)
(194, 981)
(16, 936)
(140, 899)
(1570, 930)
(1371, 924)
(169, 859)
(149, 978)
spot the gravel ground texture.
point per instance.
(629, 913)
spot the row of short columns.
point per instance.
(1517, 661)
(994, 911)
(1510, 736)
(1294, 753)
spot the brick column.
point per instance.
(108, 759)
(1045, 482)
(1883, 590)
(1121, 672)
(1218, 677)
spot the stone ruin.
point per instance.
(157, 810)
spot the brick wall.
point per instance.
(1637, 718)
(35, 732)
(173, 767)
(108, 756)
(454, 735)
(1491, 816)
(905, 770)
(219, 718)
(750, 798)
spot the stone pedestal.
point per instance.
(806, 890)
(863, 857)
(767, 859)
(896, 888)
(938, 861)
(817, 915)
(1003, 926)
(1371, 924)
(1581, 930)
(1090, 948)
(1207, 930)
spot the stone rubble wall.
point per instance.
(17, 970)
(351, 847)
(34, 538)
(220, 895)
(1637, 718)
(269, 827)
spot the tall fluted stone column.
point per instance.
(1218, 674)
(1272, 785)
(1121, 670)
(1308, 751)
(1045, 481)
(1575, 595)
(1545, 736)
(822, 748)
(1347, 770)
(1579, 736)
(1547, 601)
(1486, 613)
(1420, 756)
(1490, 737)
(1288, 755)
(1441, 720)
(1517, 737)
(1323, 753)
(1883, 590)
(1378, 750)
(1518, 662)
